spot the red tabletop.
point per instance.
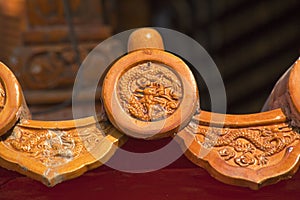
(180, 180)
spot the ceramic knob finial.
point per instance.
(144, 38)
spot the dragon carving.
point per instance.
(153, 102)
(150, 91)
(55, 147)
(247, 146)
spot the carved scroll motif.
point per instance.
(150, 92)
(2, 96)
(49, 12)
(246, 147)
(52, 68)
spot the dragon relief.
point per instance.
(150, 91)
(153, 102)
(2, 96)
(56, 147)
(246, 146)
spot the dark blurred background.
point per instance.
(253, 42)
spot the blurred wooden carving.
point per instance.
(36, 44)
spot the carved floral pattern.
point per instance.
(246, 146)
(150, 91)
